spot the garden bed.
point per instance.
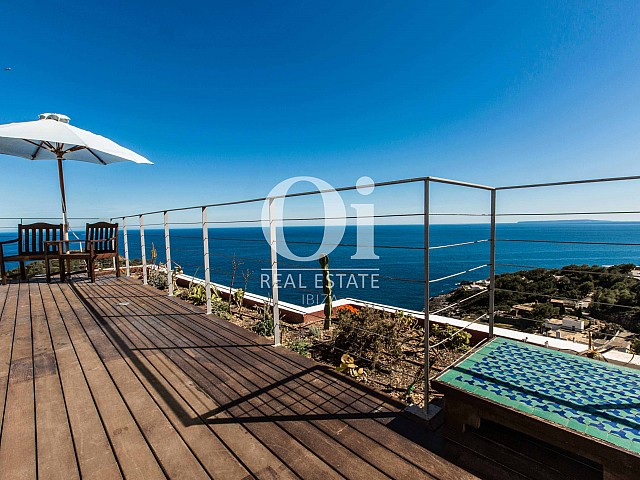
(381, 349)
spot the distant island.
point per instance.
(576, 221)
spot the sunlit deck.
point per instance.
(114, 379)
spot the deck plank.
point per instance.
(18, 453)
(96, 458)
(131, 448)
(56, 454)
(259, 461)
(291, 452)
(7, 327)
(162, 434)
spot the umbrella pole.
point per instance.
(65, 220)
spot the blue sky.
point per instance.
(229, 98)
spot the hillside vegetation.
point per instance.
(613, 293)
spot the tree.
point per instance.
(543, 311)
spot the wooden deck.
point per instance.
(116, 380)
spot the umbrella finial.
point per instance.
(58, 117)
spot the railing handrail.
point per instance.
(54, 218)
(316, 192)
(445, 181)
(570, 182)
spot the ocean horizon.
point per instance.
(396, 277)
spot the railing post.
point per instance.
(427, 366)
(167, 249)
(143, 248)
(205, 246)
(492, 265)
(277, 340)
(126, 247)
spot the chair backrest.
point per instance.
(31, 237)
(107, 232)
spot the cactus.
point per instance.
(154, 254)
(327, 290)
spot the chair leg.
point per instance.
(3, 273)
(23, 272)
(92, 269)
(47, 269)
(117, 267)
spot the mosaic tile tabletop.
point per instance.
(595, 398)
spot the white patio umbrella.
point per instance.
(52, 138)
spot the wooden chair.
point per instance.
(101, 242)
(34, 243)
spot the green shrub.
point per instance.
(238, 297)
(300, 346)
(157, 278)
(264, 326)
(459, 340)
(196, 294)
(369, 333)
(315, 332)
(219, 307)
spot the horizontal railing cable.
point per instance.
(318, 243)
(473, 242)
(451, 336)
(464, 300)
(298, 242)
(435, 280)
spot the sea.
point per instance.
(396, 276)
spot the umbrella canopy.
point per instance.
(52, 138)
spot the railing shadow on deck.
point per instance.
(299, 384)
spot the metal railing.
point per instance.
(427, 248)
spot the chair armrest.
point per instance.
(2, 244)
(90, 243)
(48, 243)
(51, 242)
(59, 243)
(110, 239)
